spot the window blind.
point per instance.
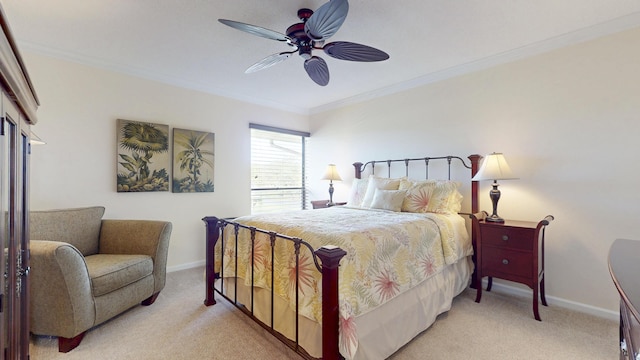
(277, 169)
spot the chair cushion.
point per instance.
(79, 227)
(111, 272)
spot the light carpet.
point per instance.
(179, 326)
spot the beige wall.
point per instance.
(77, 166)
(568, 122)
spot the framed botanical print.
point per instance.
(193, 161)
(143, 156)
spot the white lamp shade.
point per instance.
(494, 167)
(35, 139)
(331, 173)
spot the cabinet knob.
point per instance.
(505, 237)
(505, 262)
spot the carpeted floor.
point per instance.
(179, 326)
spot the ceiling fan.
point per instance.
(310, 34)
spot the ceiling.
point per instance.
(181, 43)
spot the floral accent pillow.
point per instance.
(435, 196)
(445, 198)
(376, 182)
(388, 199)
(418, 195)
(358, 190)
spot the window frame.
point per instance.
(303, 138)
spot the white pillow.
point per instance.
(358, 190)
(388, 199)
(376, 182)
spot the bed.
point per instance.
(357, 281)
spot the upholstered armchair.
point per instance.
(86, 270)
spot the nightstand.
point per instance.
(511, 250)
(320, 204)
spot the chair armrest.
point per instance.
(61, 300)
(139, 237)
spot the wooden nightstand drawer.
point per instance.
(504, 263)
(514, 238)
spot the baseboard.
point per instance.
(185, 266)
(552, 300)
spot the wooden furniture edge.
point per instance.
(622, 254)
(213, 234)
(330, 258)
(14, 76)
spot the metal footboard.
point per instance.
(326, 261)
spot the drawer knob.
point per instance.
(505, 237)
(505, 262)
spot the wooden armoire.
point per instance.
(18, 105)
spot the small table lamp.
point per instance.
(331, 174)
(494, 168)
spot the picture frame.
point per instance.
(193, 161)
(142, 156)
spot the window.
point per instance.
(277, 169)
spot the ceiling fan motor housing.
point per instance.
(299, 36)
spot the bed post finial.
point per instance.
(213, 233)
(330, 257)
(358, 168)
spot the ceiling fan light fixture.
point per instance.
(305, 52)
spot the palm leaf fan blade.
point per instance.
(326, 20)
(345, 50)
(255, 30)
(269, 61)
(317, 70)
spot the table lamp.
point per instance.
(331, 174)
(494, 168)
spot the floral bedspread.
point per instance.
(387, 254)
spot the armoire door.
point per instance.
(14, 144)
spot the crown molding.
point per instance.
(572, 38)
(579, 36)
(153, 76)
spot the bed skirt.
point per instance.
(381, 331)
